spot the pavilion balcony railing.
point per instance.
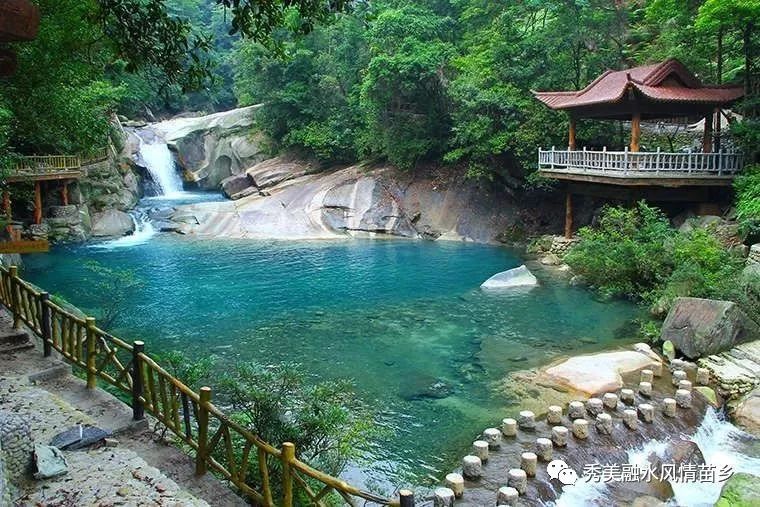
(657, 164)
(48, 164)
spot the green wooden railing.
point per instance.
(219, 443)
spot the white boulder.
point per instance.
(517, 277)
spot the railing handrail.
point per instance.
(52, 163)
(635, 153)
(640, 163)
(80, 342)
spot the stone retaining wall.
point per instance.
(17, 447)
(754, 254)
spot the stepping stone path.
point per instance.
(600, 430)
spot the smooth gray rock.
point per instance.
(516, 277)
(235, 184)
(702, 327)
(112, 223)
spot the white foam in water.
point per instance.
(160, 164)
(721, 445)
(144, 230)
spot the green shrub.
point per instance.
(634, 252)
(626, 254)
(747, 188)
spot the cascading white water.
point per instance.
(160, 164)
(721, 443)
(144, 230)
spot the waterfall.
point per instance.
(160, 164)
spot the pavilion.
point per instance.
(661, 91)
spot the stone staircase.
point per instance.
(45, 397)
(12, 340)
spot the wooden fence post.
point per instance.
(288, 455)
(406, 498)
(138, 409)
(13, 285)
(201, 454)
(91, 353)
(46, 324)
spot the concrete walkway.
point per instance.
(138, 471)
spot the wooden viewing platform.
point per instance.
(38, 169)
(660, 91)
(640, 168)
(47, 167)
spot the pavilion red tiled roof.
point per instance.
(668, 81)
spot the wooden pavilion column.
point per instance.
(571, 134)
(707, 135)
(716, 126)
(65, 193)
(635, 131)
(37, 202)
(568, 214)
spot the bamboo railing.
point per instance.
(629, 164)
(49, 164)
(219, 443)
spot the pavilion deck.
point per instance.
(628, 168)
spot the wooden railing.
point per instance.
(630, 164)
(219, 443)
(48, 163)
(45, 164)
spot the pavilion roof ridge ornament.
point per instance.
(669, 81)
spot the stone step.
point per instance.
(12, 340)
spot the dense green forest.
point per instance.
(431, 80)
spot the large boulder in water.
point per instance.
(739, 491)
(112, 223)
(702, 327)
(516, 277)
(597, 373)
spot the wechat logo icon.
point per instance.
(559, 470)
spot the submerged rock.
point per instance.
(701, 327)
(517, 277)
(424, 387)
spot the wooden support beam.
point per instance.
(707, 135)
(635, 132)
(571, 134)
(37, 202)
(65, 193)
(717, 129)
(568, 215)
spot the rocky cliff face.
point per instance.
(284, 198)
(288, 198)
(213, 147)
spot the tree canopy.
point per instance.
(411, 82)
(450, 81)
